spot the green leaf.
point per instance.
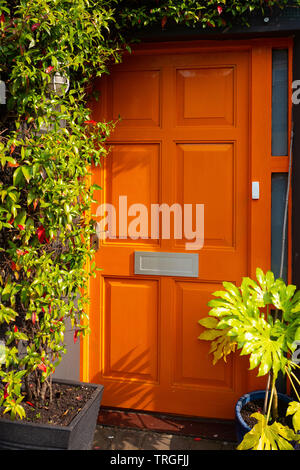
(294, 409)
(208, 322)
(26, 173)
(18, 177)
(261, 278)
(210, 335)
(268, 437)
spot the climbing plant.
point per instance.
(48, 141)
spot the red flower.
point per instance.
(220, 9)
(22, 252)
(11, 221)
(15, 329)
(41, 233)
(5, 395)
(13, 265)
(21, 227)
(163, 21)
(33, 317)
(30, 404)
(42, 367)
(75, 337)
(35, 26)
(49, 69)
(90, 122)
(12, 148)
(2, 18)
(43, 310)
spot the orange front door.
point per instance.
(183, 139)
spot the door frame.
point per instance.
(261, 163)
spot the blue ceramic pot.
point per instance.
(241, 426)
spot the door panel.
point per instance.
(205, 96)
(140, 360)
(216, 162)
(183, 139)
(191, 301)
(128, 163)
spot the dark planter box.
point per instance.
(78, 435)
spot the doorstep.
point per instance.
(220, 430)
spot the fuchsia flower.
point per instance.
(5, 395)
(75, 337)
(163, 21)
(41, 233)
(22, 252)
(49, 69)
(30, 404)
(220, 9)
(35, 26)
(13, 265)
(42, 367)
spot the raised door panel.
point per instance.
(205, 174)
(132, 185)
(205, 96)
(131, 329)
(135, 98)
(192, 363)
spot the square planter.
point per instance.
(78, 435)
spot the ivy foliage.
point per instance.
(48, 141)
(207, 14)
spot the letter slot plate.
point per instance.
(166, 264)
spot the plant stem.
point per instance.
(43, 390)
(292, 383)
(270, 402)
(266, 395)
(275, 403)
(28, 390)
(296, 378)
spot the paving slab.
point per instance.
(222, 430)
(116, 438)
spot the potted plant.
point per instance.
(261, 319)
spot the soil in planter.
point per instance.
(66, 403)
(256, 406)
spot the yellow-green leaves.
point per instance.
(268, 437)
(242, 316)
(14, 408)
(222, 345)
(294, 410)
